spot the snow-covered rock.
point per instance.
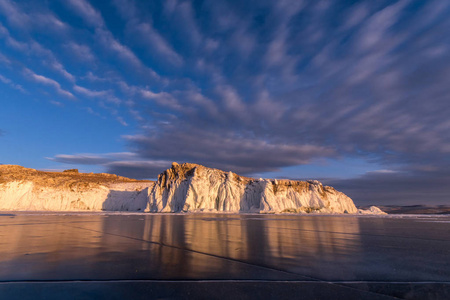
(191, 187)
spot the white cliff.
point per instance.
(28, 189)
(182, 188)
(191, 187)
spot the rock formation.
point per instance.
(191, 187)
(28, 189)
(182, 188)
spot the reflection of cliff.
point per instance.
(49, 239)
(44, 247)
(329, 239)
(260, 240)
(171, 246)
(281, 241)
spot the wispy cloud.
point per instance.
(14, 15)
(163, 98)
(183, 14)
(33, 48)
(4, 59)
(12, 84)
(50, 82)
(57, 103)
(89, 14)
(156, 42)
(108, 41)
(94, 18)
(136, 27)
(82, 52)
(121, 121)
(88, 92)
(31, 21)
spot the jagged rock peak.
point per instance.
(187, 170)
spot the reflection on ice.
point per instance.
(170, 246)
(222, 246)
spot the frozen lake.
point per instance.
(87, 255)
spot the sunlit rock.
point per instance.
(28, 189)
(192, 187)
(182, 188)
(373, 210)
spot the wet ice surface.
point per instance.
(174, 255)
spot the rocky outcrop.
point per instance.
(28, 189)
(373, 210)
(182, 188)
(191, 187)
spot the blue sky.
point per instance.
(355, 93)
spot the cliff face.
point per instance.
(28, 189)
(191, 187)
(185, 187)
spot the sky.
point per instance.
(353, 93)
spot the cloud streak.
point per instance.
(117, 163)
(50, 82)
(94, 18)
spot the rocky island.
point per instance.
(182, 188)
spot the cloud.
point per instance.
(82, 159)
(50, 82)
(396, 188)
(107, 95)
(12, 84)
(163, 98)
(82, 52)
(89, 14)
(44, 22)
(223, 150)
(14, 15)
(138, 169)
(4, 59)
(10, 41)
(56, 103)
(121, 121)
(123, 163)
(154, 41)
(94, 18)
(33, 48)
(88, 92)
(184, 14)
(375, 28)
(356, 91)
(260, 86)
(108, 41)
